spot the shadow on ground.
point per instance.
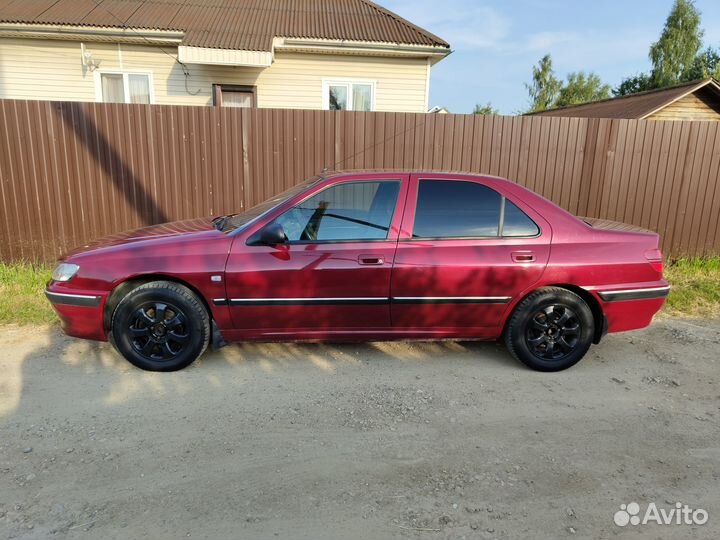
(37, 358)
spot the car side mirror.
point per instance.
(272, 235)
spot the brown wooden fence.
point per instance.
(70, 172)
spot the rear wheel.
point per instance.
(161, 326)
(550, 330)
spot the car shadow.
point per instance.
(95, 373)
(328, 356)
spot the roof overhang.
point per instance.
(224, 57)
(360, 48)
(263, 59)
(91, 33)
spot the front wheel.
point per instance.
(550, 330)
(161, 326)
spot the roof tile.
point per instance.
(633, 106)
(230, 24)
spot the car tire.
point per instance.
(550, 330)
(160, 326)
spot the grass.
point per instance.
(695, 287)
(695, 291)
(21, 294)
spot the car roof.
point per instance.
(430, 172)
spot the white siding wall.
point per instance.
(52, 70)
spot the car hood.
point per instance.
(172, 230)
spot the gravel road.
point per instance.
(376, 441)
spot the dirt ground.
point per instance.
(376, 441)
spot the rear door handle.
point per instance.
(523, 256)
(371, 260)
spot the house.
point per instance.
(306, 54)
(697, 100)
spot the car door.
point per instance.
(465, 251)
(332, 275)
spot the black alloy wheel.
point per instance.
(553, 332)
(161, 326)
(550, 330)
(159, 331)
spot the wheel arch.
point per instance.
(124, 287)
(599, 319)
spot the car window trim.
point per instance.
(501, 219)
(320, 242)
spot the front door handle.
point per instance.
(523, 256)
(371, 260)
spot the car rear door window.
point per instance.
(456, 209)
(344, 212)
(517, 223)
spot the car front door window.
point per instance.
(350, 211)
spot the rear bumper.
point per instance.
(647, 293)
(80, 313)
(632, 307)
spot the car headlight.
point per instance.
(65, 271)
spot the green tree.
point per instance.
(706, 64)
(673, 55)
(633, 85)
(581, 88)
(545, 87)
(486, 110)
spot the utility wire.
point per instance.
(338, 164)
(185, 70)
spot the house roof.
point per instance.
(230, 24)
(637, 106)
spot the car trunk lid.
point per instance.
(608, 225)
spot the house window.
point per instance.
(231, 95)
(123, 87)
(340, 95)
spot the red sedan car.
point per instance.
(367, 256)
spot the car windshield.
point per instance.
(235, 221)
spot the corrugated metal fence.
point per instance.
(70, 172)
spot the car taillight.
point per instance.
(654, 257)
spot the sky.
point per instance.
(495, 44)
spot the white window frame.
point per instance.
(327, 83)
(126, 84)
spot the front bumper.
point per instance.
(69, 299)
(80, 313)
